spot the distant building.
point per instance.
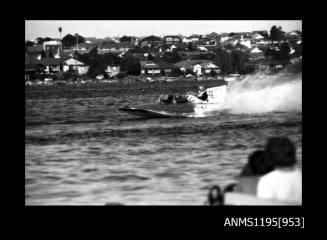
(149, 67)
(115, 47)
(32, 67)
(189, 64)
(165, 68)
(264, 64)
(172, 39)
(205, 68)
(51, 65)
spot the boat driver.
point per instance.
(202, 94)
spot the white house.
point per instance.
(74, 64)
(256, 53)
(112, 70)
(203, 48)
(201, 68)
(149, 67)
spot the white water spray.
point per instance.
(265, 93)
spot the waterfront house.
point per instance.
(73, 64)
(165, 68)
(149, 67)
(205, 68)
(189, 64)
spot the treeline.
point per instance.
(67, 41)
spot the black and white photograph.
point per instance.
(163, 112)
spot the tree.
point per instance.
(284, 54)
(96, 67)
(43, 54)
(70, 40)
(50, 54)
(125, 39)
(150, 57)
(271, 53)
(204, 56)
(213, 73)
(110, 59)
(238, 61)
(130, 65)
(172, 57)
(42, 40)
(223, 59)
(276, 34)
(93, 53)
(191, 47)
(29, 44)
(151, 38)
(176, 72)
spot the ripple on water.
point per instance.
(123, 178)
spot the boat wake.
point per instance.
(265, 93)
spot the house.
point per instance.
(115, 47)
(149, 67)
(256, 53)
(36, 49)
(32, 67)
(48, 65)
(112, 70)
(203, 49)
(194, 37)
(51, 65)
(205, 68)
(172, 39)
(165, 67)
(232, 40)
(264, 64)
(189, 64)
(73, 64)
(170, 48)
(294, 35)
(139, 53)
(222, 37)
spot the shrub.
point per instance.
(121, 75)
(176, 73)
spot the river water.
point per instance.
(81, 150)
